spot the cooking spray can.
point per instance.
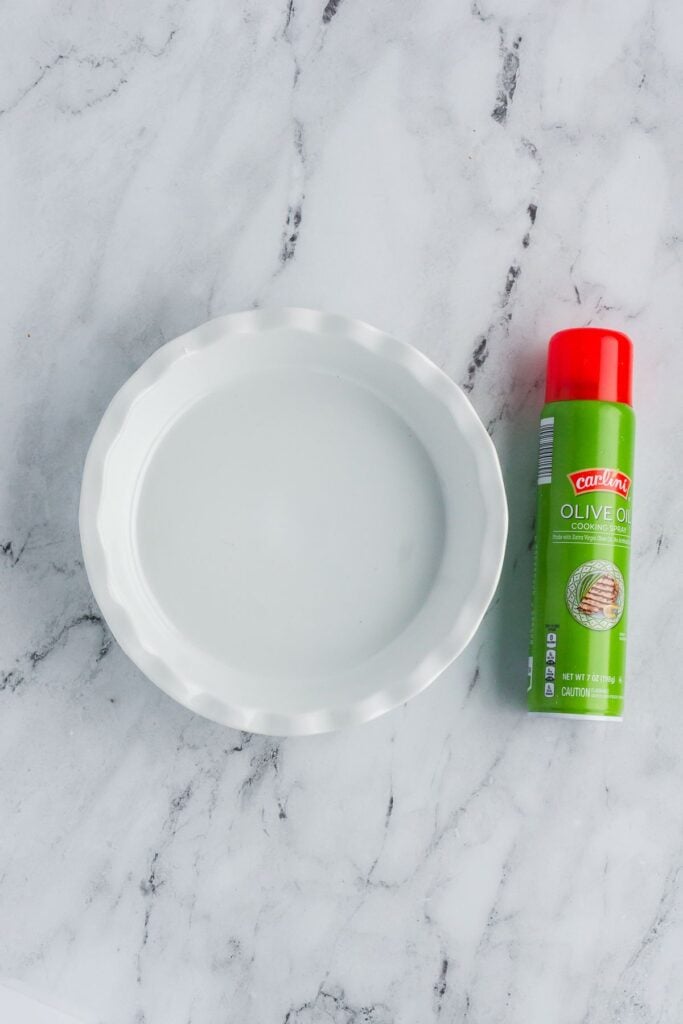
(577, 657)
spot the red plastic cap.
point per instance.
(589, 363)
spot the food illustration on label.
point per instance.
(600, 596)
(595, 594)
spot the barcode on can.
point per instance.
(545, 450)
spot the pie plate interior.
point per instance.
(291, 521)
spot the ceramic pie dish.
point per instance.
(291, 521)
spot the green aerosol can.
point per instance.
(577, 658)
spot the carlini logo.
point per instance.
(585, 480)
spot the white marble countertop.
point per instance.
(469, 176)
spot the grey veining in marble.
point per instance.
(469, 176)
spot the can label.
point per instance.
(577, 658)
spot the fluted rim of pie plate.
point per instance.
(325, 719)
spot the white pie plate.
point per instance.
(291, 521)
